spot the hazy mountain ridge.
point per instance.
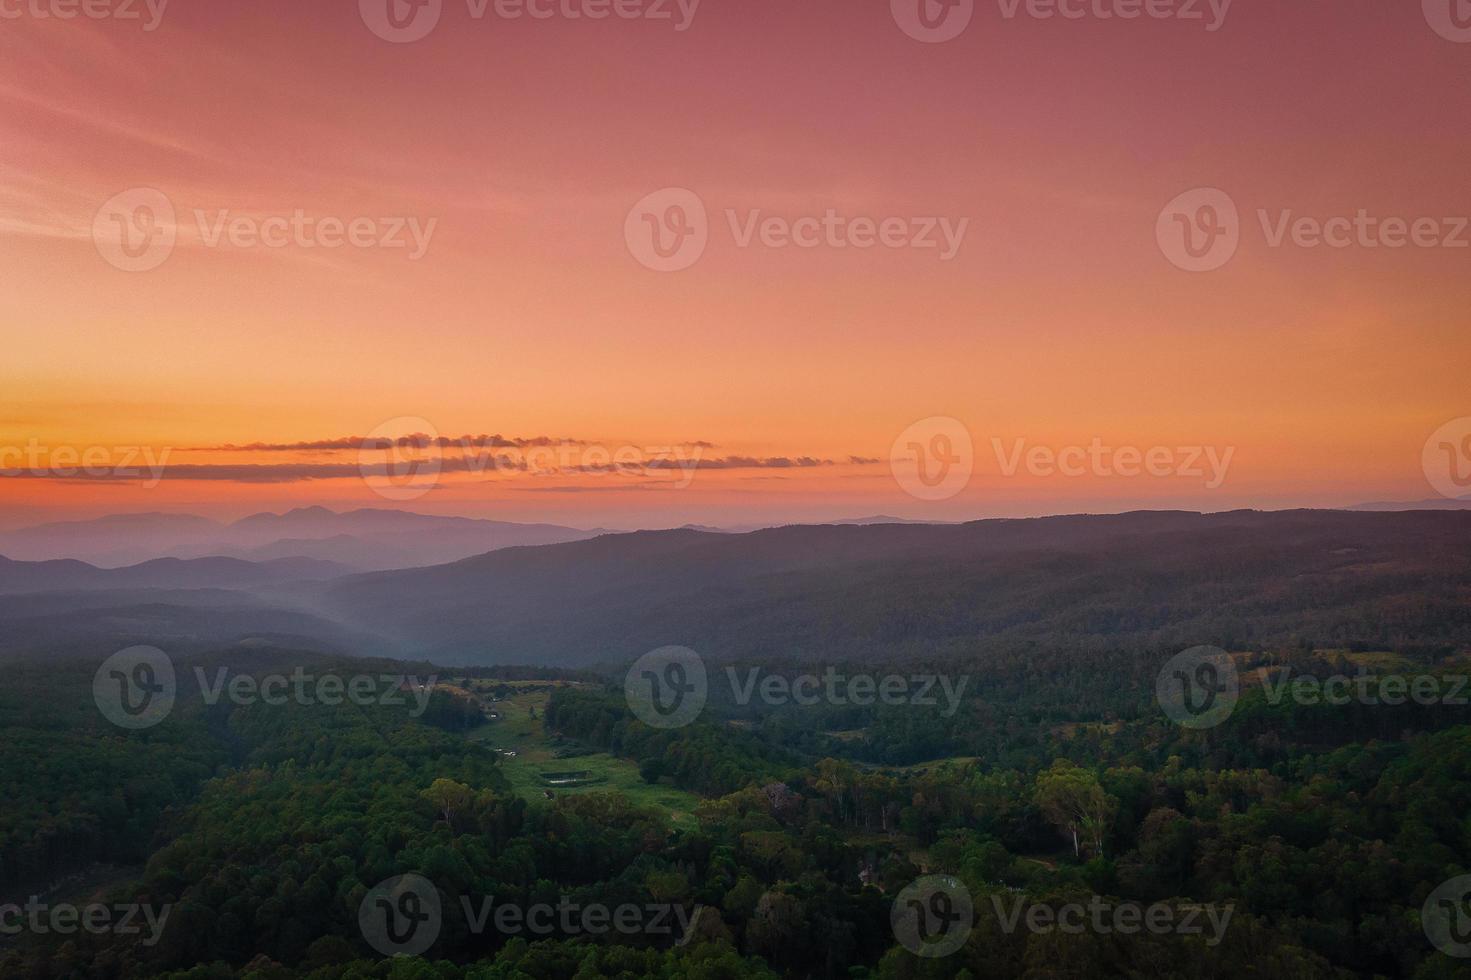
(367, 539)
(846, 591)
(818, 592)
(68, 574)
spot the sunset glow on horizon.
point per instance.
(377, 238)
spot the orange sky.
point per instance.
(527, 142)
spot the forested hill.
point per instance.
(830, 592)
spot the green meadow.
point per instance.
(519, 729)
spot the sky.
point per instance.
(903, 258)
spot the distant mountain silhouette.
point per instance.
(96, 623)
(117, 539)
(161, 573)
(366, 539)
(1434, 503)
(836, 592)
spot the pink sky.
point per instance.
(525, 142)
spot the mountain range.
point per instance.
(833, 592)
(366, 539)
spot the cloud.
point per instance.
(539, 456)
(753, 462)
(261, 472)
(416, 440)
(604, 487)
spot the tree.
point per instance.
(1074, 802)
(450, 798)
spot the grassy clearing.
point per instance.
(917, 767)
(536, 754)
(1382, 660)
